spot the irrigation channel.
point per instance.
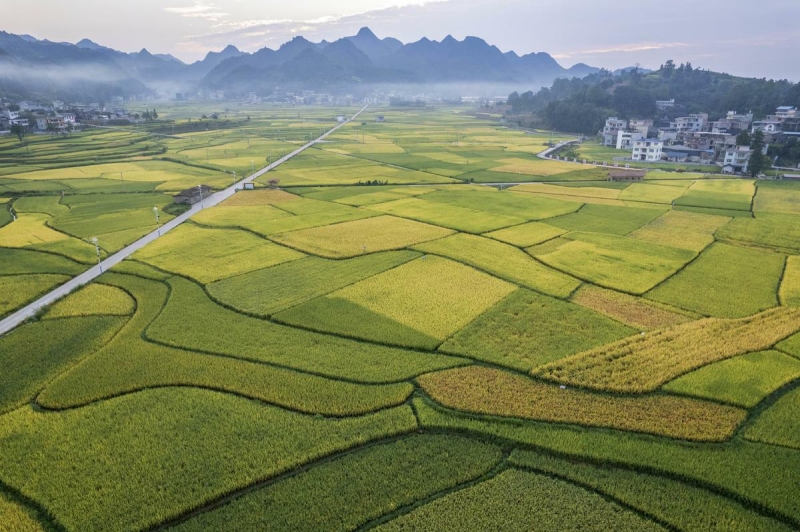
(30, 310)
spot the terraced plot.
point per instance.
(520, 501)
(527, 330)
(444, 215)
(417, 304)
(213, 253)
(633, 311)
(234, 446)
(778, 424)
(17, 290)
(615, 262)
(499, 393)
(352, 490)
(270, 290)
(642, 363)
(350, 239)
(725, 281)
(744, 380)
(790, 285)
(606, 219)
(727, 194)
(681, 229)
(502, 261)
(527, 235)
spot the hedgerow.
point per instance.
(349, 491)
(493, 392)
(642, 363)
(165, 452)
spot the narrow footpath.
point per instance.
(10, 322)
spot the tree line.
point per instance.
(582, 105)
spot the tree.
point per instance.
(155, 115)
(743, 139)
(19, 131)
(758, 161)
(52, 128)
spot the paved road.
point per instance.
(26, 312)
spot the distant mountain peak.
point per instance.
(230, 49)
(365, 32)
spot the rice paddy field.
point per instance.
(423, 327)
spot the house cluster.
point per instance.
(695, 138)
(57, 116)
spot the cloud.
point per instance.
(199, 10)
(257, 33)
(624, 48)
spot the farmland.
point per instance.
(373, 340)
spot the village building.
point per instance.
(193, 195)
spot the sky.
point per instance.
(740, 37)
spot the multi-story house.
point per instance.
(648, 150)
(610, 130)
(626, 138)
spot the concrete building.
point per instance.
(613, 126)
(648, 150)
(693, 122)
(665, 104)
(736, 159)
(786, 111)
(645, 127)
(626, 138)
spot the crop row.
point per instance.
(519, 501)
(643, 363)
(762, 474)
(503, 261)
(175, 449)
(493, 392)
(682, 505)
(349, 491)
(359, 237)
(191, 320)
(527, 329)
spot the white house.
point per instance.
(648, 150)
(736, 159)
(626, 138)
(665, 104)
(770, 124)
(610, 130)
(694, 122)
(786, 111)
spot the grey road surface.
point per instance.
(9, 323)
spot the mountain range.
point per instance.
(86, 69)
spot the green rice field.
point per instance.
(416, 324)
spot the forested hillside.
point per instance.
(582, 105)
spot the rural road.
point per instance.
(10, 322)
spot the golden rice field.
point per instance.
(393, 336)
(371, 235)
